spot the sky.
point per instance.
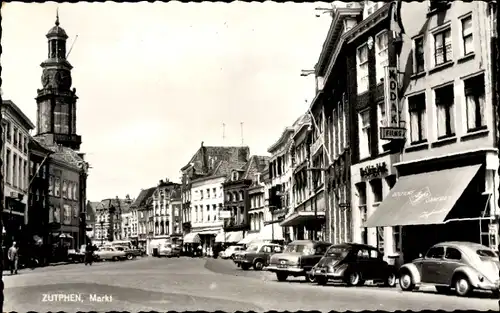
(154, 80)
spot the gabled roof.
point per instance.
(63, 154)
(122, 204)
(207, 158)
(142, 197)
(256, 164)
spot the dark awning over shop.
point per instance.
(422, 199)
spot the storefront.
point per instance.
(308, 219)
(371, 182)
(442, 199)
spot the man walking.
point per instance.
(13, 257)
(89, 254)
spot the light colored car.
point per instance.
(169, 250)
(110, 253)
(463, 266)
(230, 251)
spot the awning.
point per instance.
(221, 237)
(249, 238)
(208, 232)
(234, 236)
(302, 217)
(192, 238)
(423, 199)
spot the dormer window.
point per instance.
(235, 176)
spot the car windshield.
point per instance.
(337, 252)
(297, 248)
(486, 253)
(252, 248)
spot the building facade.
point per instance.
(307, 218)
(208, 168)
(92, 221)
(38, 198)
(278, 181)
(447, 106)
(142, 204)
(16, 127)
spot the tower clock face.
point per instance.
(63, 80)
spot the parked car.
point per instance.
(297, 259)
(462, 266)
(257, 255)
(129, 253)
(169, 250)
(110, 253)
(354, 264)
(230, 251)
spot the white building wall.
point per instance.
(200, 216)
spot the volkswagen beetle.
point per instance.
(462, 266)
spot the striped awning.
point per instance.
(248, 239)
(221, 237)
(192, 238)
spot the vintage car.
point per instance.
(169, 250)
(354, 264)
(297, 259)
(462, 266)
(230, 251)
(129, 253)
(257, 255)
(110, 253)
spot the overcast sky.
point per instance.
(154, 80)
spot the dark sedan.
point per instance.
(354, 264)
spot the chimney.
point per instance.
(204, 158)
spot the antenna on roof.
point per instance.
(223, 132)
(241, 126)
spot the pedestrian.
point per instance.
(13, 257)
(89, 254)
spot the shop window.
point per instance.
(397, 237)
(376, 186)
(380, 239)
(361, 193)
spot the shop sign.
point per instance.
(390, 133)
(224, 214)
(371, 171)
(391, 96)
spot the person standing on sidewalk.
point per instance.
(13, 257)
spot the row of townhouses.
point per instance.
(44, 173)
(398, 148)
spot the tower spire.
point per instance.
(57, 16)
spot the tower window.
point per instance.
(61, 49)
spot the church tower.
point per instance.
(56, 116)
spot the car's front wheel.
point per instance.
(462, 286)
(130, 257)
(258, 265)
(310, 278)
(390, 280)
(353, 279)
(406, 282)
